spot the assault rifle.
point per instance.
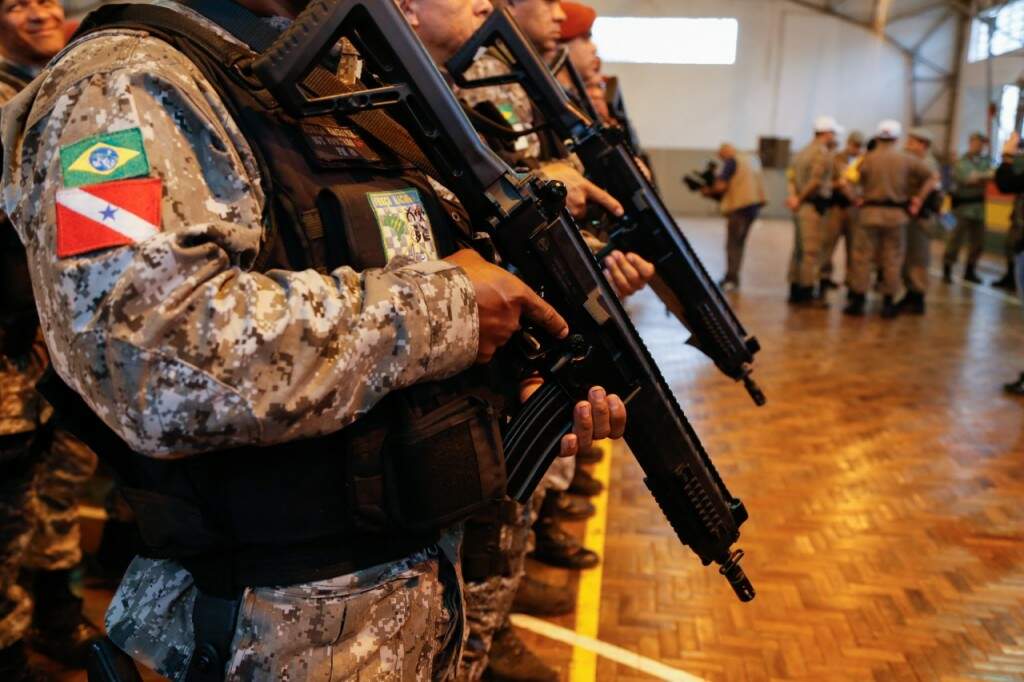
(537, 238)
(647, 228)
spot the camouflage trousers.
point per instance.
(39, 493)
(839, 224)
(489, 601)
(877, 246)
(971, 230)
(808, 241)
(918, 256)
(400, 622)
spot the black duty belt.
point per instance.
(888, 203)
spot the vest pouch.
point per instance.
(445, 464)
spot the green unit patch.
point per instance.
(102, 158)
(509, 112)
(404, 225)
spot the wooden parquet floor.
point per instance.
(885, 482)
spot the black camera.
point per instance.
(698, 180)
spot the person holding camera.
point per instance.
(739, 189)
(1010, 180)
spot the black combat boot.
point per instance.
(971, 276)
(511, 661)
(1015, 388)
(14, 666)
(889, 308)
(912, 303)
(826, 285)
(947, 273)
(59, 630)
(584, 484)
(556, 547)
(564, 506)
(855, 304)
(1007, 281)
(796, 293)
(535, 598)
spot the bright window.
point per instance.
(666, 40)
(1003, 27)
(1008, 106)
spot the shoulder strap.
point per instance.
(260, 35)
(257, 34)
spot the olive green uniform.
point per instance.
(887, 178)
(971, 173)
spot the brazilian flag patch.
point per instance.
(102, 158)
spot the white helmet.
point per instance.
(825, 124)
(889, 130)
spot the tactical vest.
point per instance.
(422, 459)
(745, 188)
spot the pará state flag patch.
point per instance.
(111, 214)
(404, 224)
(102, 158)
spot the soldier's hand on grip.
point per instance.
(579, 190)
(502, 299)
(628, 272)
(599, 416)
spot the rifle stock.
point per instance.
(536, 237)
(647, 227)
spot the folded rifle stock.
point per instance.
(647, 228)
(535, 237)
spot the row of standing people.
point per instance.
(879, 198)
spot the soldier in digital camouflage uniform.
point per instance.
(499, 584)
(143, 210)
(41, 469)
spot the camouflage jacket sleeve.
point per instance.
(173, 340)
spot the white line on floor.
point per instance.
(991, 291)
(603, 649)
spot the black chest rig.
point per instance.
(422, 459)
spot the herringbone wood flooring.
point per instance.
(885, 482)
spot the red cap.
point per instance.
(579, 19)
